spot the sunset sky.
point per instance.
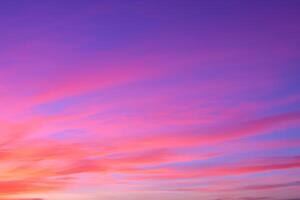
(149, 100)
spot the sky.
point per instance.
(149, 99)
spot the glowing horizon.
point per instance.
(131, 100)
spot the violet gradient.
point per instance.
(143, 100)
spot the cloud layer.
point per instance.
(149, 100)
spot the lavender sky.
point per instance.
(149, 99)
